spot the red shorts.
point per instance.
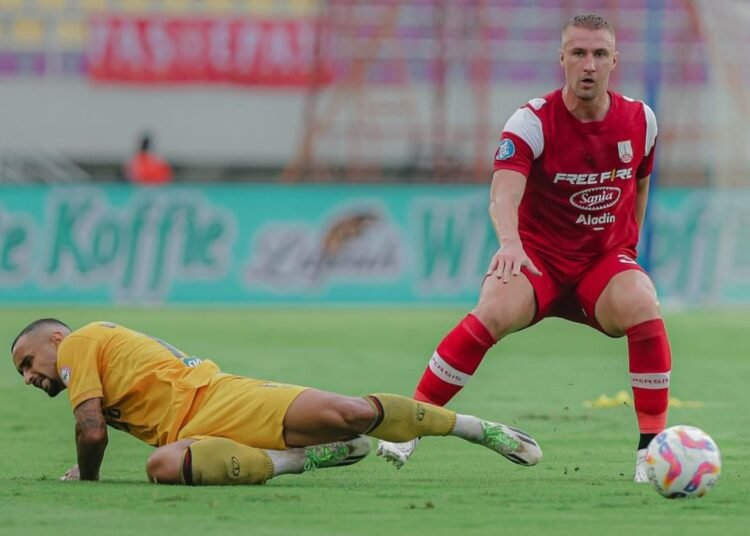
(572, 293)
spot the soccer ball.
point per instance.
(683, 461)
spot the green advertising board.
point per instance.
(295, 245)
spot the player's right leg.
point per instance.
(317, 417)
(502, 309)
(401, 420)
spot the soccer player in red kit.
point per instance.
(568, 199)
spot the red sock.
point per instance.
(454, 361)
(650, 367)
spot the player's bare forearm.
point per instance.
(641, 200)
(91, 437)
(505, 197)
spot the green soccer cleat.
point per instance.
(336, 454)
(516, 445)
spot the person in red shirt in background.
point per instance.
(145, 167)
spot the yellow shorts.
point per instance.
(245, 410)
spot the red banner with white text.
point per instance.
(268, 52)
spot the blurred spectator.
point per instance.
(145, 167)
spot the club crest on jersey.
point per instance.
(65, 375)
(625, 149)
(506, 149)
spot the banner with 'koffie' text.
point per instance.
(255, 245)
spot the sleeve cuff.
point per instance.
(83, 397)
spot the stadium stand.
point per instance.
(422, 50)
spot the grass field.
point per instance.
(536, 379)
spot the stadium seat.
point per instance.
(11, 5)
(218, 6)
(92, 5)
(27, 32)
(176, 6)
(302, 8)
(259, 7)
(135, 6)
(51, 5)
(70, 33)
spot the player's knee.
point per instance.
(503, 308)
(635, 306)
(163, 466)
(495, 319)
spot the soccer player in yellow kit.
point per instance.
(217, 428)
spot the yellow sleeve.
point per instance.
(78, 366)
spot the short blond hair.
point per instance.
(590, 21)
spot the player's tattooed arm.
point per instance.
(91, 437)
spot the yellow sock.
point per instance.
(402, 419)
(221, 461)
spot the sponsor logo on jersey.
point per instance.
(506, 149)
(589, 219)
(594, 178)
(625, 151)
(597, 198)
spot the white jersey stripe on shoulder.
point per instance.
(447, 373)
(537, 103)
(526, 125)
(651, 128)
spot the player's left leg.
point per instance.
(209, 461)
(629, 306)
(164, 466)
(222, 461)
(625, 303)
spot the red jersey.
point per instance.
(579, 202)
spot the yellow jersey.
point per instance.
(146, 385)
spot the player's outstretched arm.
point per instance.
(505, 197)
(91, 438)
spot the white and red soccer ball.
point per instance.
(683, 461)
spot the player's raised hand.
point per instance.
(72, 474)
(509, 260)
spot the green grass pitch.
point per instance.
(537, 380)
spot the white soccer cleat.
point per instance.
(512, 443)
(336, 454)
(641, 472)
(397, 453)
